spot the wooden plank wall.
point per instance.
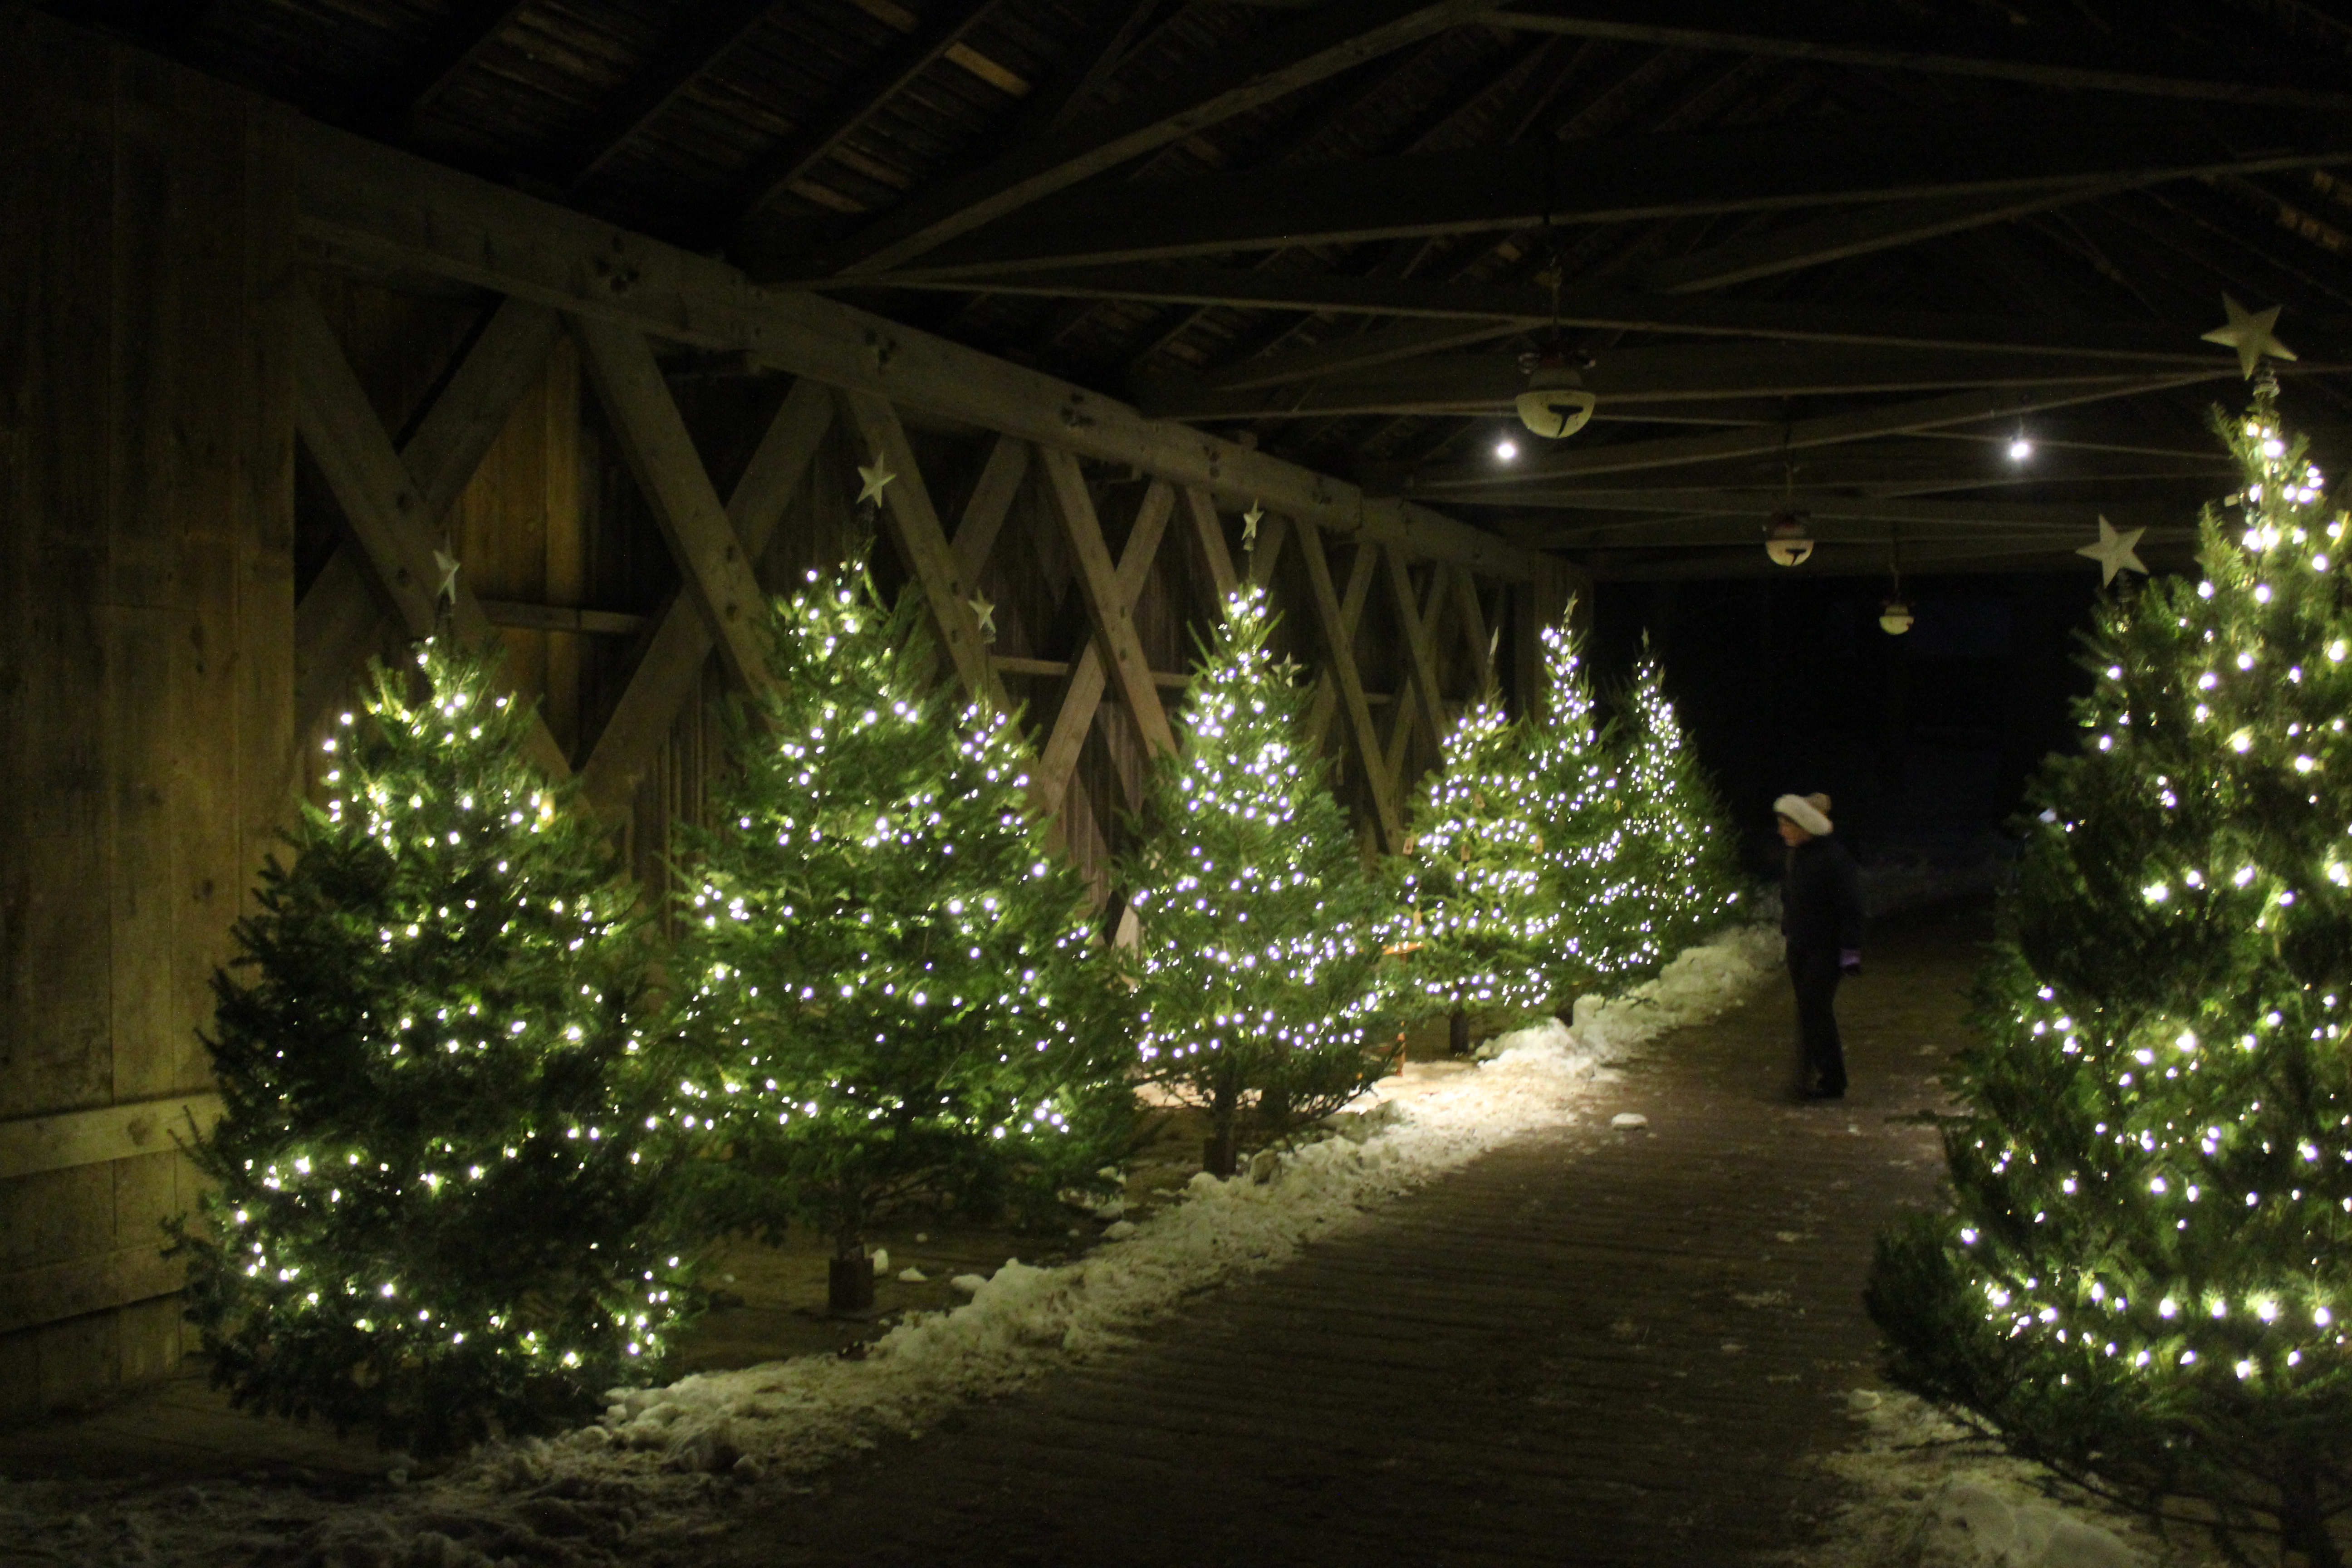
(146, 661)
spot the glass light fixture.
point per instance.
(1895, 615)
(1555, 406)
(1786, 540)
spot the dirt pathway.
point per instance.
(1592, 1348)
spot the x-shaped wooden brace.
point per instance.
(1338, 641)
(1115, 595)
(1114, 650)
(393, 499)
(1423, 703)
(1325, 702)
(671, 665)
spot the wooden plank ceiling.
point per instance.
(1836, 256)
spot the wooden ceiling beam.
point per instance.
(1486, 383)
(1583, 20)
(1858, 559)
(1881, 228)
(1827, 430)
(1092, 58)
(465, 40)
(882, 80)
(1329, 40)
(1293, 149)
(1523, 307)
(1704, 508)
(1807, 163)
(1364, 351)
(711, 33)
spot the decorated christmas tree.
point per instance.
(1261, 926)
(1480, 920)
(433, 1205)
(1585, 871)
(1679, 844)
(891, 985)
(2142, 1279)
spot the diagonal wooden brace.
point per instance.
(716, 573)
(1113, 616)
(1084, 692)
(671, 665)
(1338, 640)
(913, 525)
(1428, 702)
(380, 499)
(338, 621)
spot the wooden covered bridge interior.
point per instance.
(622, 303)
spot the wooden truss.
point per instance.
(394, 499)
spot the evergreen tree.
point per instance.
(1261, 927)
(1680, 845)
(887, 975)
(433, 1212)
(2142, 1279)
(1482, 920)
(1586, 873)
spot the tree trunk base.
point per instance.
(849, 1286)
(1220, 1155)
(1457, 1033)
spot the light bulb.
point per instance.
(1507, 450)
(2020, 449)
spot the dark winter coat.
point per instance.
(1821, 896)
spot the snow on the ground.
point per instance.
(1926, 1493)
(639, 1474)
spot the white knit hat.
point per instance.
(1810, 812)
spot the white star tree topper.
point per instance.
(2115, 552)
(446, 564)
(2249, 332)
(984, 610)
(872, 480)
(1250, 520)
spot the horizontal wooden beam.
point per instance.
(1644, 24)
(1884, 226)
(1846, 529)
(1495, 309)
(561, 618)
(1595, 504)
(1355, 351)
(33, 1143)
(1827, 430)
(1812, 162)
(1863, 559)
(1486, 383)
(370, 205)
(1055, 669)
(81, 1286)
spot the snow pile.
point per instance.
(657, 1450)
(1929, 1495)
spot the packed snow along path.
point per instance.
(1593, 1302)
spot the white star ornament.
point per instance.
(2113, 551)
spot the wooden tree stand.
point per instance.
(1219, 1156)
(849, 1286)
